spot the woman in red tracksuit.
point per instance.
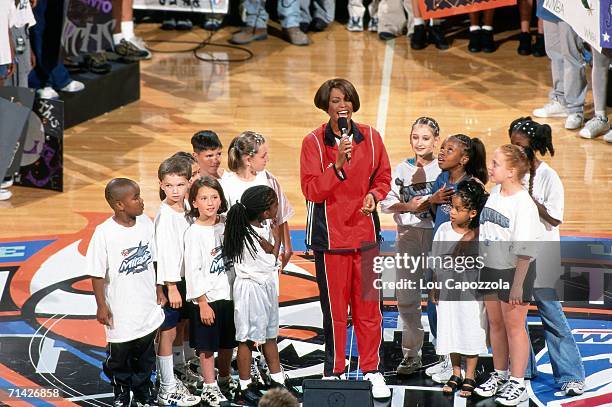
(342, 178)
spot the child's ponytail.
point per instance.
(477, 164)
(238, 230)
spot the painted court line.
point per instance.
(385, 88)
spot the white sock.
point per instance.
(503, 373)
(436, 21)
(519, 380)
(244, 383)
(418, 21)
(487, 27)
(117, 38)
(178, 356)
(474, 28)
(188, 350)
(278, 377)
(601, 113)
(166, 372)
(127, 29)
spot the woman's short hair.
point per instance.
(321, 99)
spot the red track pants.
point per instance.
(342, 283)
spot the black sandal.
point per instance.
(468, 387)
(453, 383)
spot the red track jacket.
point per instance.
(334, 199)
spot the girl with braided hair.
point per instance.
(546, 190)
(508, 235)
(252, 242)
(461, 316)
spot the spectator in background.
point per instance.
(255, 17)
(316, 15)
(49, 74)
(569, 84)
(481, 36)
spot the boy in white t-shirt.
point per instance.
(120, 262)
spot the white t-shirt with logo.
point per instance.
(170, 227)
(415, 181)
(123, 256)
(7, 19)
(205, 270)
(234, 187)
(509, 226)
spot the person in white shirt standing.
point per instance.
(209, 286)
(408, 201)
(508, 235)
(546, 189)
(24, 58)
(171, 222)
(252, 243)
(120, 262)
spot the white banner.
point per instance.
(193, 6)
(581, 15)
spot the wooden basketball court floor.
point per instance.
(272, 93)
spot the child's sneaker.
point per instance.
(437, 38)
(573, 388)
(179, 397)
(418, 39)
(492, 386)
(595, 127)
(229, 387)
(539, 47)
(475, 43)
(524, 47)
(249, 396)
(551, 109)
(355, 24)
(512, 394)
(488, 42)
(439, 367)
(145, 398)
(409, 365)
(443, 376)
(212, 396)
(122, 398)
(373, 24)
(608, 137)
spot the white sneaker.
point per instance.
(608, 137)
(47, 93)
(373, 24)
(73, 86)
(355, 24)
(212, 396)
(574, 121)
(439, 367)
(5, 194)
(494, 384)
(7, 184)
(443, 376)
(177, 397)
(595, 127)
(573, 388)
(141, 45)
(380, 390)
(552, 109)
(512, 394)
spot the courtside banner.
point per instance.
(194, 6)
(445, 8)
(583, 17)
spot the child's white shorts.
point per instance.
(255, 310)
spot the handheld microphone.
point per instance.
(343, 125)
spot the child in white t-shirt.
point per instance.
(171, 222)
(411, 186)
(545, 186)
(253, 245)
(509, 229)
(247, 159)
(209, 287)
(7, 53)
(120, 261)
(461, 322)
